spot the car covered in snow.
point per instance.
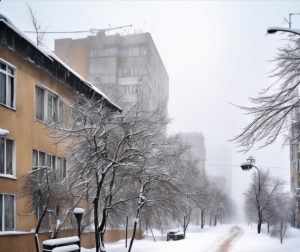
(175, 235)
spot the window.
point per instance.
(7, 84)
(103, 52)
(46, 104)
(40, 159)
(7, 212)
(133, 51)
(6, 156)
(132, 89)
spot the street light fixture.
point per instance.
(246, 166)
(78, 212)
(273, 30)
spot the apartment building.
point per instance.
(131, 63)
(32, 84)
(295, 159)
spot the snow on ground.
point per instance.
(253, 242)
(209, 239)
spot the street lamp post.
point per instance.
(246, 166)
(78, 212)
(272, 30)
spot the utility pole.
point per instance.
(290, 19)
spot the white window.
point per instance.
(7, 84)
(7, 157)
(46, 104)
(7, 212)
(41, 159)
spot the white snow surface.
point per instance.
(208, 240)
(3, 132)
(52, 56)
(66, 248)
(61, 240)
(3, 233)
(78, 210)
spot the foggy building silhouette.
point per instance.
(131, 63)
(197, 143)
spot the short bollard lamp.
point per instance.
(78, 212)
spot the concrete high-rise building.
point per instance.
(295, 159)
(131, 63)
(218, 160)
(197, 143)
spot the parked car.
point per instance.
(175, 235)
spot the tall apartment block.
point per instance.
(295, 159)
(131, 63)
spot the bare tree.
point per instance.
(273, 107)
(262, 195)
(40, 31)
(282, 217)
(43, 188)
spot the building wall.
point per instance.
(26, 241)
(27, 132)
(74, 53)
(104, 70)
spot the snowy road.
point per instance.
(223, 238)
(235, 233)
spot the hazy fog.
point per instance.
(214, 53)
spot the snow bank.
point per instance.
(78, 210)
(68, 248)
(210, 238)
(58, 241)
(251, 241)
(3, 132)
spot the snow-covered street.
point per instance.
(223, 238)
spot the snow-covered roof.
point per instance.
(4, 132)
(53, 58)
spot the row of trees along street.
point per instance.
(267, 202)
(273, 112)
(120, 164)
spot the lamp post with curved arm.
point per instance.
(272, 30)
(246, 166)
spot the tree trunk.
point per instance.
(268, 226)
(96, 223)
(133, 234)
(259, 226)
(101, 231)
(202, 219)
(126, 231)
(216, 219)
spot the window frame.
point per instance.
(15, 83)
(3, 212)
(54, 162)
(5, 175)
(45, 102)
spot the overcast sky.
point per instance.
(214, 53)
